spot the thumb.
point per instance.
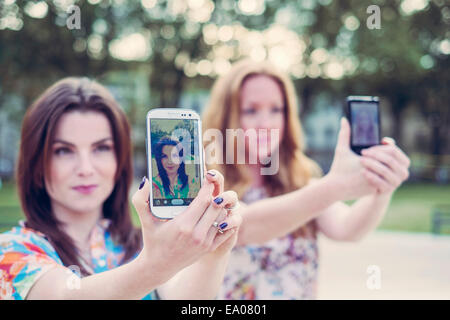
(344, 135)
(388, 140)
(140, 202)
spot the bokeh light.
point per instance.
(135, 46)
(37, 10)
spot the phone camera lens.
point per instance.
(189, 114)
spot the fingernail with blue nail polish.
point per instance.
(211, 173)
(223, 225)
(142, 183)
(218, 200)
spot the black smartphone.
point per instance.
(363, 113)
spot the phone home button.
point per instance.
(177, 202)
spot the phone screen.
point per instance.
(365, 123)
(175, 161)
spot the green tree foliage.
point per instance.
(406, 60)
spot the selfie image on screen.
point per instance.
(364, 124)
(175, 162)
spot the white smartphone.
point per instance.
(174, 159)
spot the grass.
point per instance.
(412, 206)
(10, 211)
(410, 210)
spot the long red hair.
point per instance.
(223, 112)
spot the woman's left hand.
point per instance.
(387, 166)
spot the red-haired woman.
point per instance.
(285, 209)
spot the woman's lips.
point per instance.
(85, 189)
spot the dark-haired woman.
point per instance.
(73, 176)
(172, 180)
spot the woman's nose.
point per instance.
(86, 167)
(175, 159)
(265, 121)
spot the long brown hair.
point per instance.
(223, 112)
(38, 130)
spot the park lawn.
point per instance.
(410, 210)
(412, 205)
(10, 211)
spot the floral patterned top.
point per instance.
(26, 255)
(283, 268)
(189, 191)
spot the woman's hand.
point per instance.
(230, 216)
(173, 245)
(348, 177)
(386, 166)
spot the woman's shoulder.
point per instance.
(193, 185)
(20, 233)
(157, 180)
(25, 255)
(21, 239)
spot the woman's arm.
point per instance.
(373, 178)
(342, 222)
(136, 279)
(388, 168)
(190, 282)
(133, 280)
(274, 217)
(202, 280)
(168, 248)
(287, 212)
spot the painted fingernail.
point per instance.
(211, 173)
(223, 225)
(218, 200)
(142, 183)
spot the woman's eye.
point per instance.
(249, 111)
(277, 109)
(62, 151)
(103, 148)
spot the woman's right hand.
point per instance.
(347, 174)
(170, 246)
